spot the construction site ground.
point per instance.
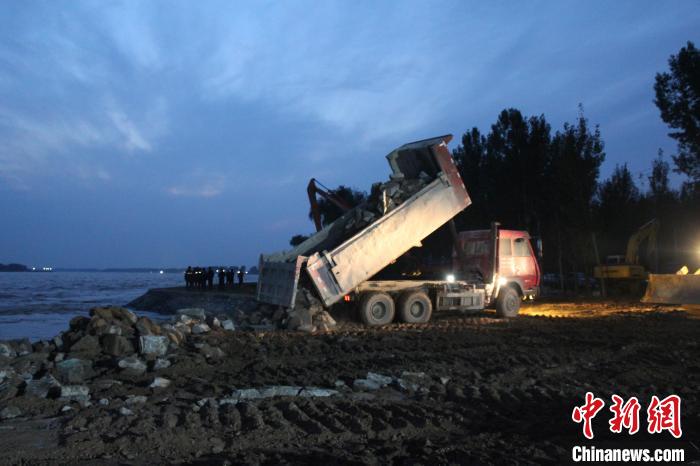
(494, 391)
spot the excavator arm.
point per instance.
(315, 187)
(648, 231)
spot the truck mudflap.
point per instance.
(277, 281)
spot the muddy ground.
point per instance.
(493, 392)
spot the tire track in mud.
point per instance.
(511, 388)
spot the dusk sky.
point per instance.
(174, 133)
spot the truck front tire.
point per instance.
(377, 309)
(508, 302)
(415, 307)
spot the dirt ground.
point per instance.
(494, 392)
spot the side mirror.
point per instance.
(538, 246)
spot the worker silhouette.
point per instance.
(210, 278)
(222, 276)
(229, 277)
(241, 275)
(188, 277)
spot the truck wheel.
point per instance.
(415, 307)
(377, 309)
(508, 302)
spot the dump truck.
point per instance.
(491, 267)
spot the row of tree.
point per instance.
(528, 178)
(525, 176)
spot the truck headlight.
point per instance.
(502, 281)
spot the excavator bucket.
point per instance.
(673, 289)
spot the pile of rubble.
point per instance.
(111, 339)
(308, 315)
(385, 197)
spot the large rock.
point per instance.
(58, 341)
(97, 326)
(79, 323)
(23, 347)
(125, 315)
(74, 370)
(75, 392)
(145, 326)
(114, 330)
(10, 412)
(194, 312)
(89, 344)
(104, 313)
(132, 366)
(161, 363)
(323, 317)
(116, 345)
(213, 322)
(174, 336)
(228, 325)
(43, 387)
(212, 352)
(300, 319)
(7, 351)
(153, 345)
(160, 382)
(200, 328)
(372, 382)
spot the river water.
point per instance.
(39, 305)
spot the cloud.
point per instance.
(133, 139)
(200, 184)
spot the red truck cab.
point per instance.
(503, 258)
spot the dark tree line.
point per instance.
(525, 176)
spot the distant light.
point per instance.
(33, 268)
(450, 278)
(161, 272)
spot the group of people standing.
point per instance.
(203, 278)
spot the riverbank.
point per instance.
(169, 300)
(460, 389)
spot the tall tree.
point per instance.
(678, 99)
(659, 188)
(572, 181)
(618, 213)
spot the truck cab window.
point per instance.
(476, 248)
(504, 248)
(520, 248)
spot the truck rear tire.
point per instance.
(415, 307)
(508, 302)
(377, 309)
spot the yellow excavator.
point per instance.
(627, 271)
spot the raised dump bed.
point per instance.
(424, 192)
